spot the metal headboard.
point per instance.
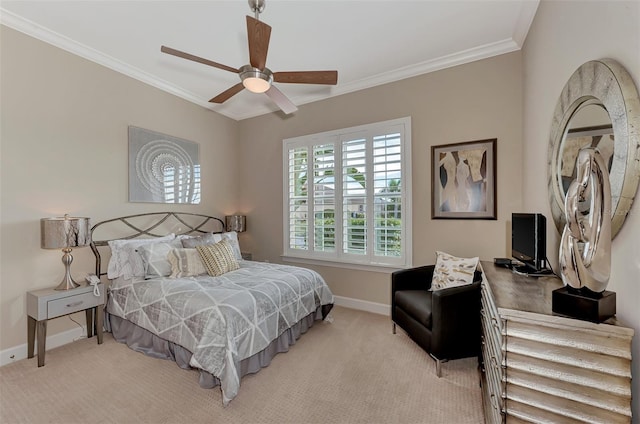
(158, 224)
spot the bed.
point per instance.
(226, 326)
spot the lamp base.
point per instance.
(594, 307)
(67, 284)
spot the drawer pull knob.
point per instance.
(71, 305)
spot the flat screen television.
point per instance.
(529, 240)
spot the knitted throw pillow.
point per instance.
(218, 258)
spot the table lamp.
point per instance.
(65, 233)
(237, 223)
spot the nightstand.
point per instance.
(46, 304)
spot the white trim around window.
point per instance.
(347, 195)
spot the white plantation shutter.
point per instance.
(348, 194)
(354, 196)
(387, 197)
(298, 202)
(324, 198)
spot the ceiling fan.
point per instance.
(255, 76)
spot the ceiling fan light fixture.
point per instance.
(256, 85)
(255, 80)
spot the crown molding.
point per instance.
(525, 19)
(444, 62)
(63, 42)
(470, 55)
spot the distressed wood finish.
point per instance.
(544, 368)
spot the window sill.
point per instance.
(386, 269)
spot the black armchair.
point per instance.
(445, 323)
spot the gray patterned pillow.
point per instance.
(202, 240)
(125, 261)
(186, 263)
(451, 271)
(155, 258)
(218, 258)
(213, 238)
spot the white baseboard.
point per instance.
(363, 305)
(17, 353)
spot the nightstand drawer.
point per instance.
(68, 305)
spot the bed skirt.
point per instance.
(144, 341)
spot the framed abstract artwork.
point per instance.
(162, 168)
(600, 136)
(463, 180)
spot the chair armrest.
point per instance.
(456, 321)
(412, 279)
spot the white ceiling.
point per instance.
(369, 42)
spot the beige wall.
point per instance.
(64, 150)
(476, 101)
(564, 35)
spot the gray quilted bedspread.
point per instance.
(222, 320)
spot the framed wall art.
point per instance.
(463, 180)
(162, 168)
(600, 136)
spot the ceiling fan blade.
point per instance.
(178, 53)
(307, 77)
(281, 100)
(258, 33)
(227, 94)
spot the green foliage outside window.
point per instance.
(388, 239)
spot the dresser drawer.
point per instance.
(489, 306)
(71, 304)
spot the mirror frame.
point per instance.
(607, 83)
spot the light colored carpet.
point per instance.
(353, 370)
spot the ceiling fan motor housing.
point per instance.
(256, 80)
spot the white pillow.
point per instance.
(451, 271)
(232, 236)
(155, 258)
(125, 261)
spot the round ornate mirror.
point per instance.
(598, 107)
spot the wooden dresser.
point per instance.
(538, 367)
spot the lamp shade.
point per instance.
(237, 223)
(64, 232)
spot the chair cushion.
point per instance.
(417, 304)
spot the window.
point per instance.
(347, 195)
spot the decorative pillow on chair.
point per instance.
(218, 258)
(451, 271)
